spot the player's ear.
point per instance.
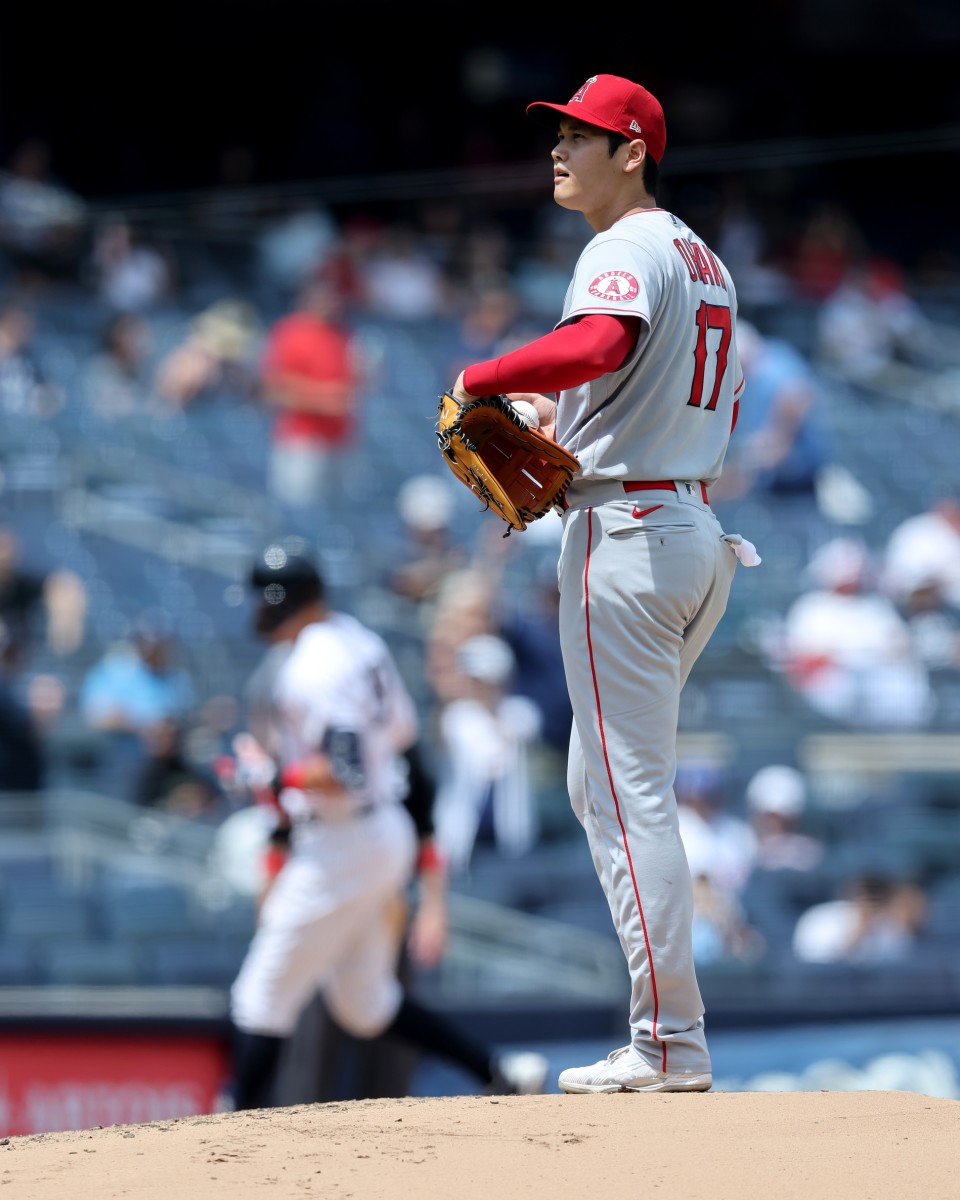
(636, 154)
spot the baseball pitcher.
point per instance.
(640, 380)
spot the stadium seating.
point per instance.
(90, 964)
(194, 960)
(141, 911)
(165, 513)
(18, 965)
(32, 918)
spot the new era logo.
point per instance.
(635, 128)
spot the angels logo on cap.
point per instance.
(618, 104)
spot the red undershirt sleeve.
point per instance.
(564, 358)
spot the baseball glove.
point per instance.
(516, 471)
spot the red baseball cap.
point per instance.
(617, 104)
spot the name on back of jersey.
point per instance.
(701, 263)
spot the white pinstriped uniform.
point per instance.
(327, 924)
(644, 580)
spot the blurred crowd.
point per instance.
(270, 315)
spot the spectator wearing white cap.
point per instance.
(429, 552)
(924, 549)
(847, 650)
(485, 792)
(921, 574)
(717, 841)
(776, 800)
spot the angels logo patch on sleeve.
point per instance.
(615, 285)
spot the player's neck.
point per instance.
(601, 221)
(640, 206)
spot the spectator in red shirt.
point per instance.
(311, 374)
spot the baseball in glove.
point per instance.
(516, 471)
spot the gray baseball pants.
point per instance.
(644, 581)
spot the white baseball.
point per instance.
(527, 412)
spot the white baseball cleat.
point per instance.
(519, 1073)
(623, 1070)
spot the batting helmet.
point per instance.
(284, 579)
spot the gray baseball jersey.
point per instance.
(667, 412)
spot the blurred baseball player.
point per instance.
(337, 721)
(644, 378)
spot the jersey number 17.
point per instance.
(710, 317)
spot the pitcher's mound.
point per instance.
(714, 1146)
